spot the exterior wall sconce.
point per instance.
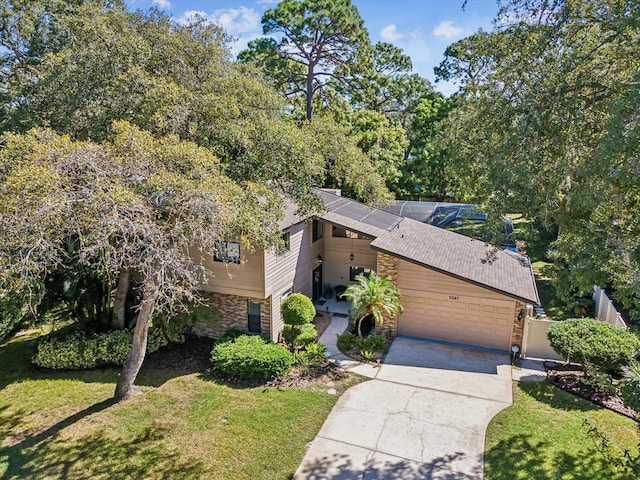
(351, 257)
(521, 315)
(319, 259)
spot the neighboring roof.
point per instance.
(355, 216)
(462, 257)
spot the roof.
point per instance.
(432, 247)
(462, 257)
(352, 215)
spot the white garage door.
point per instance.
(459, 319)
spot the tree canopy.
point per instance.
(312, 44)
(548, 125)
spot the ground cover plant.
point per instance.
(543, 436)
(186, 425)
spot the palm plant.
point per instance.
(373, 295)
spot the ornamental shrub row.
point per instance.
(79, 351)
(251, 358)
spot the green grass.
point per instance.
(64, 425)
(541, 436)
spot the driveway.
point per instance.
(423, 415)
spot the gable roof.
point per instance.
(461, 257)
(431, 247)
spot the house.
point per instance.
(453, 288)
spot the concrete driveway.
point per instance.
(424, 415)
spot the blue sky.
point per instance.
(422, 28)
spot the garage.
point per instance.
(441, 307)
(459, 319)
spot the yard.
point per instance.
(64, 425)
(541, 436)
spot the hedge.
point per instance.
(79, 351)
(590, 341)
(251, 358)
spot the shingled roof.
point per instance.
(461, 257)
(432, 247)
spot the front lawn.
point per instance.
(541, 436)
(64, 425)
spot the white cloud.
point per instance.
(446, 29)
(166, 4)
(235, 21)
(390, 33)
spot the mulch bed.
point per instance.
(570, 378)
(191, 356)
(322, 322)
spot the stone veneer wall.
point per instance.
(388, 266)
(230, 311)
(517, 334)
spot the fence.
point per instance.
(534, 342)
(605, 309)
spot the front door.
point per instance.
(316, 287)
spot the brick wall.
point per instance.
(517, 333)
(388, 266)
(230, 311)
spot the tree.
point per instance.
(548, 125)
(345, 165)
(149, 206)
(427, 173)
(382, 141)
(373, 295)
(316, 42)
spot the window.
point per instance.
(227, 252)
(286, 240)
(253, 317)
(318, 230)
(355, 271)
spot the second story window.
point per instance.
(286, 240)
(318, 230)
(227, 252)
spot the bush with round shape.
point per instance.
(590, 341)
(297, 309)
(296, 337)
(251, 358)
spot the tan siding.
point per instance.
(337, 251)
(245, 279)
(276, 318)
(414, 277)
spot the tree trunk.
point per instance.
(309, 92)
(125, 388)
(119, 306)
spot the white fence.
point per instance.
(605, 309)
(535, 343)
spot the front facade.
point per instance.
(452, 296)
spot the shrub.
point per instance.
(297, 309)
(378, 343)
(630, 388)
(251, 358)
(590, 341)
(345, 341)
(316, 351)
(368, 355)
(12, 314)
(299, 336)
(80, 351)
(230, 335)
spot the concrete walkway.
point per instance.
(423, 415)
